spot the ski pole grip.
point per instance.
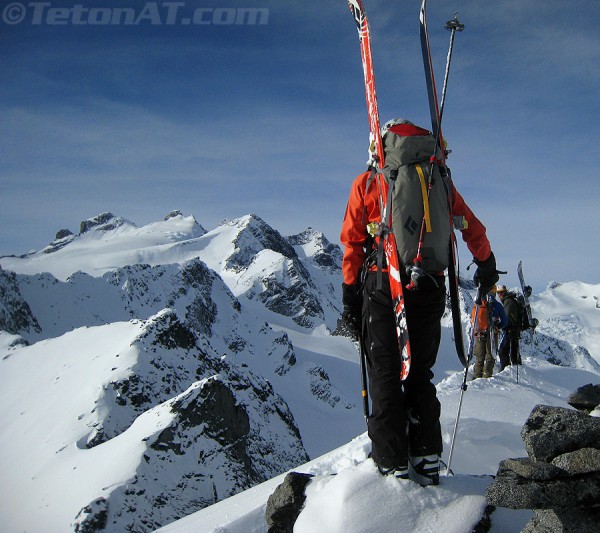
(454, 24)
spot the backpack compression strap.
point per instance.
(426, 213)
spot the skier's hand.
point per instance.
(351, 314)
(486, 274)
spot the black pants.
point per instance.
(405, 416)
(508, 351)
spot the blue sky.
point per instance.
(220, 119)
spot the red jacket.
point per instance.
(363, 207)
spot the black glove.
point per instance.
(486, 274)
(352, 312)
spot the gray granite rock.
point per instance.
(552, 431)
(531, 469)
(515, 492)
(580, 461)
(564, 521)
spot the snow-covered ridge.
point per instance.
(106, 242)
(190, 364)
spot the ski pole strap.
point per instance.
(426, 212)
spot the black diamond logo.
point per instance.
(411, 225)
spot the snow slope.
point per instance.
(359, 500)
(132, 330)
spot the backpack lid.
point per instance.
(407, 144)
(402, 127)
(408, 130)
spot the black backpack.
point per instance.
(523, 320)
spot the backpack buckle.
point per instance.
(416, 274)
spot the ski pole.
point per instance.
(363, 375)
(463, 387)
(454, 26)
(518, 355)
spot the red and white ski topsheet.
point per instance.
(378, 160)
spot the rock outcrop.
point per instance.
(560, 478)
(15, 314)
(285, 504)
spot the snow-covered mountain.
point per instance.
(190, 329)
(147, 373)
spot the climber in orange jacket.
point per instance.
(403, 425)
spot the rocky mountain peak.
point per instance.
(256, 235)
(103, 222)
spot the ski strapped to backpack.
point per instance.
(531, 322)
(364, 35)
(436, 118)
(384, 233)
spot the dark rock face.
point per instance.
(92, 517)
(254, 237)
(63, 234)
(560, 480)
(15, 314)
(197, 278)
(62, 239)
(104, 222)
(293, 297)
(285, 504)
(173, 214)
(329, 256)
(586, 398)
(225, 421)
